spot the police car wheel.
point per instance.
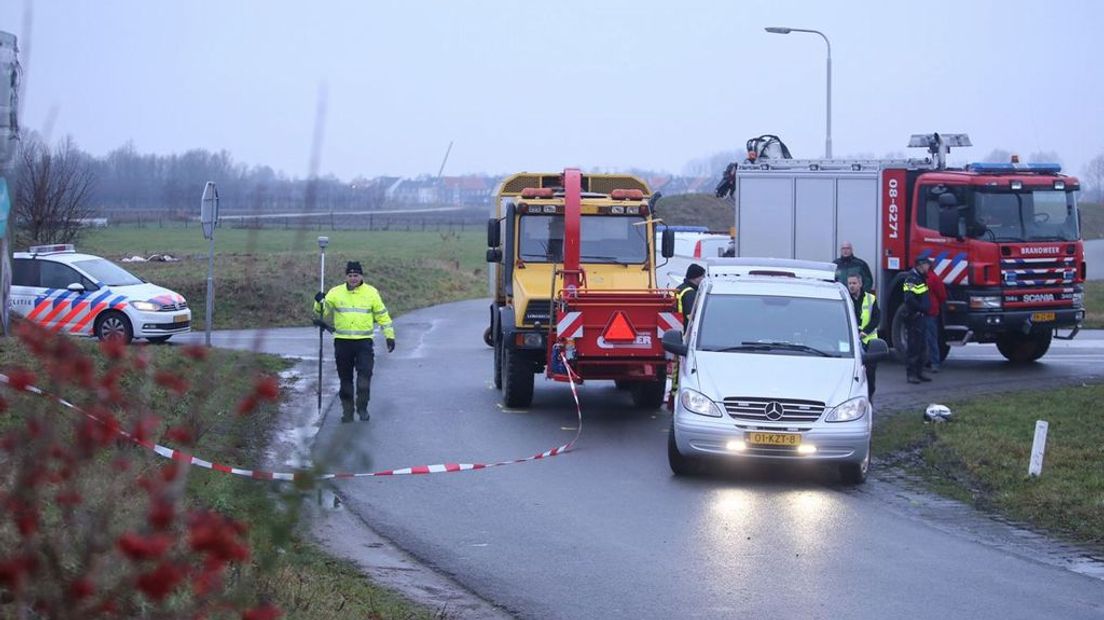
(112, 325)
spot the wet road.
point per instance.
(606, 531)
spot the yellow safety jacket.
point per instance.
(356, 312)
(864, 317)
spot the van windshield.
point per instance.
(775, 325)
(106, 272)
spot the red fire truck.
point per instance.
(1004, 237)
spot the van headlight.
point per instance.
(145, 306)
(699, 403)
(850, 410)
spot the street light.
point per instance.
(828, 134)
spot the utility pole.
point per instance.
(9, 139)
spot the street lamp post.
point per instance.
(828, 122)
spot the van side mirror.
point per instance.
(76, 287)
(876, 350)
(667, 243)
(672, 342)
(493, 238)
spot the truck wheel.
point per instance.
(517, 379)
(498, 364)
(649, 394)
(899, 334)
(1024, 348)
(680, 465)
(113, 324)
(488, 337)
(855, 473)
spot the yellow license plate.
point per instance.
(774, 439)
(1042, 317)
(180, 318)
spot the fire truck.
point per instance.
(573, 280)
(1003, 236)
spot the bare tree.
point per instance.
(53, 188)
(1093, 177)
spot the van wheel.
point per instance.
(855, 473)
(649, 394)
(680, 465)
(517, 379)
(1023, 349)
(488, 337)
(158, 339)
(114, 324)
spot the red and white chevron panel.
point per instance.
(570, 325)
(668, 321)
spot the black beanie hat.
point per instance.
(353, 267)
(694, 271)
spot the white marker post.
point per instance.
(1038, 447)
(208, 216)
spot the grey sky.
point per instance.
(526, 85)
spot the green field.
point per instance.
(981, 457)
(1092, 221)
(267, 278)
(1094, 305)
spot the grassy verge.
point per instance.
(1094, 305)
(697, 210)
(292, 573)
(982, 456)
(268, 278)
(1092, 221)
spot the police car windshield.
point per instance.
(775, 325)
(106, 272)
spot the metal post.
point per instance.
(828, 119)
(208, 216)
(210, 288)
(322, 243)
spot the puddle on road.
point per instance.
(906, 494)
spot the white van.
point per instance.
(772, 367)
(81, 294)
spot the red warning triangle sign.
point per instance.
(619, 329)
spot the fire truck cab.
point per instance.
(1004, 237)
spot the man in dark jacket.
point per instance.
(916, 304)
(848, 263)
(688, 291)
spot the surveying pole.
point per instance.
(322, 243)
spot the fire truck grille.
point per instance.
(1025, 272)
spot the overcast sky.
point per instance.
(544, 85)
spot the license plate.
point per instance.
(1042, 317)
(180, 318)
(774, 439)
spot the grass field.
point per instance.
(982, 456)
(1094, 305)
(1092, 221)
(268, 278)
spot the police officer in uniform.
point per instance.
(916, 303)
(869, 317)
(356, 308)
(688, 290)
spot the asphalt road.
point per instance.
(607, 531)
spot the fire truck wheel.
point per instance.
(899, 334)
(1024, 348)
(498, 364)
(488, 337)
(517, 379)
(680, 465)
(113, 324)
(649, 394)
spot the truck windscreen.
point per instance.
(605, 239)
(1038, 215)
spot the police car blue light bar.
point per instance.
(997, 168)
(52, 249)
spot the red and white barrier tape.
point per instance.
(440, 468)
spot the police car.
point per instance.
(66, 291)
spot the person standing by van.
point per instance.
(938, 292)
(916, 303)
(848, 263)
(869, 317)
(688, 291)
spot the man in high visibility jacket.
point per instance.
(869, 317)
(916, 304)
(688, 291)
(356, 308)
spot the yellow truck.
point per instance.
(573, 280)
